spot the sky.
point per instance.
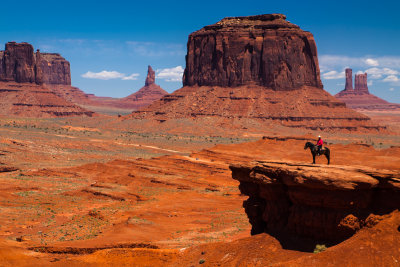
(110, 43)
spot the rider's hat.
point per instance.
(319, 136)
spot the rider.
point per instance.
(319, 144)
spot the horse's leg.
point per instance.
(328, 156)
(313, 158)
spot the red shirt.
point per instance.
(320, 142)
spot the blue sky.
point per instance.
(116, 40)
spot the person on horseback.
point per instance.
(319, 144)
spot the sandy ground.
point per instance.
(91, 191)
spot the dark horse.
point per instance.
(314, 151)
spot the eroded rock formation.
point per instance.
(19, 63)
(27, 80)
(146, 95)
(360, 83)
(109, 105)
(349, 80)
(360, 98)
(55, 68)
(151, 76)
(257, 67)
(327, 203)
(264, 50)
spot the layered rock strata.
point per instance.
(360, 98)
(33, 100)
(328, 203)
(257, 67)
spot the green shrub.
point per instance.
(319, 248)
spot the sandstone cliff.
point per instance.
(19, 63)
(360, 97)
(55, 69)
(264, 50)
(328, 203)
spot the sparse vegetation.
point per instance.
(319, 248)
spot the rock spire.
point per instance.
(151, 76)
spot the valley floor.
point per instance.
(91, 191)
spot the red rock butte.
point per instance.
(50, 74)
(258, 67)
(264, 50)
(360, 97)
(24, 76)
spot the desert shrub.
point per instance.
(319, 248)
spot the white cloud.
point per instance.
(108, 75)
(372, 62)
(328, 62)
(391, 89)
(133, 76)
(171, 74)
(391, 78)
(378, 73)
(103, 75)
(332, 75)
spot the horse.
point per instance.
(314, 151)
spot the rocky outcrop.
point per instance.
(328, 203)
(19, 63)
(361, 86)
(151, 76)
(27, 82)
(55, 69)
(360, 98)
(261, 68)
(146, 95)
(349, 80)
(264, 50)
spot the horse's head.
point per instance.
(307, 145)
